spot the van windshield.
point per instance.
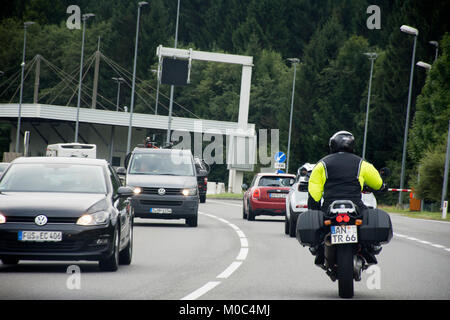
(174, 164)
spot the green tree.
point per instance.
(430, 122)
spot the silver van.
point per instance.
(164, 183)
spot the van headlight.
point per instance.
(136, 190)
(93, 219)
(189, 192)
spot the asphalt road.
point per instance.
(227, 257)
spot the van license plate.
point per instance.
(161, 210)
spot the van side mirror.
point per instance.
(121, 171)
(125, 192)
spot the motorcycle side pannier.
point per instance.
(309, 224)
(376, 227)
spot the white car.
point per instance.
(297, 199)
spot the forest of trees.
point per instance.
(328, 36)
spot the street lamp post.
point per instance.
(426, 66)
(447, 160)
(436, 45)
(157, 91)
(140, 4)
(113, 128)
(423, 65)
(119, 81)
(294, 61)
(372, 56)
(172, 87)
(77, 122)
(415, 33)
(25, 25)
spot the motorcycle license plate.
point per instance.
(344, 234)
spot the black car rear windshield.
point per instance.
(174, 163)
(274, 181)
(40, 177)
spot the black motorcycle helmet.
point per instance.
(342, 141)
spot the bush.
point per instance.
(431, 171)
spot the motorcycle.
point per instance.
(346, 234)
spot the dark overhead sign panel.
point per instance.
(175, 72)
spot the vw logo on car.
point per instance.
(40, 220)
(161, 191)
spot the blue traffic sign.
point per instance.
(280, 171)
(280, 157)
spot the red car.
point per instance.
(267, 195)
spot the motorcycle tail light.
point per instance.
(256, 194)
(346, 218)
(339, 219)
(205, 181)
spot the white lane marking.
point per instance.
(418, 219)
(228, 271)
(201, 291)
(223, 220)
(225, 203)
(240, 234)
(242, 254)
(231, 268)
(422, 241)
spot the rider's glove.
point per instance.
(384, 187)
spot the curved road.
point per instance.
(229, 258)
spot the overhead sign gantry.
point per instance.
(242, 151)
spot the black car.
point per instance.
(55, 208)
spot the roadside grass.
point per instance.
(236, 196)
(415, 214)
(390, 209)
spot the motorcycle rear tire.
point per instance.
(344, 259)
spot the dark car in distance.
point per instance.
(202, 169)
(57, 208)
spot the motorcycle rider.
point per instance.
(341, 175)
